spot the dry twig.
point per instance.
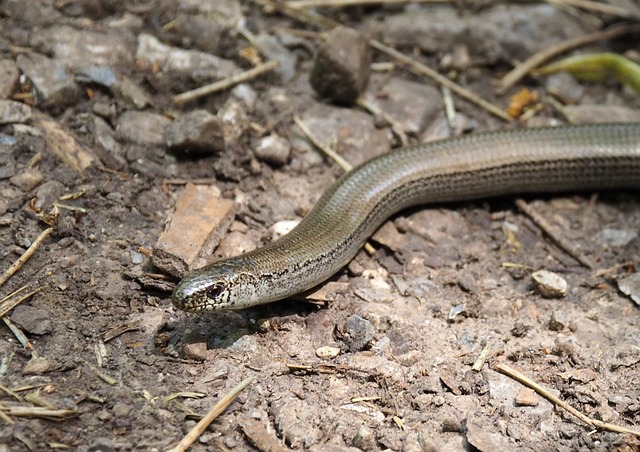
(560, 241)
(17, 265)
(301, 4)
(597, 7)
(226, 83)
(511, 372)
(219, 407)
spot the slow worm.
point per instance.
(570, 158)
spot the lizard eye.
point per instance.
(214, 291)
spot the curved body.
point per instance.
(570, 158)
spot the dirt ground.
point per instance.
(387, 362)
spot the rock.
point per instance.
(186, 65)
(273, 149)
(558, 321)
(327, 352)
(365, 439)
(413, 105)
(549, 284)
(107, 149)
(234, 120)
(197, 131)
(582, 114)
(51, 82)
(132, 93)
(341, 65)
(630, 285)
(14, 112)
(618, 237)
(32, 320)
(527, 397)
(142, 127)
(564, 87)
(272, 48)
(47, 194)
(9, 76)
(195, 350)
(358, 332)
(27, 179)
(350, 132)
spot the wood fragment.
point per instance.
(64, 145)
(538, 58)
(258, 435)
(224, 84)
(550, 231)
(218, 408)
(511, 372)
(20, 336)
(117, 331)
(17, 265)
(39, 412)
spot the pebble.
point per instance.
(47, 194)
(197, 131)
(14, 112)
(121, 409)
(618, 237)
(234, 120)
(233, 244)
(527, 397)
(195, 350)
(549, 284)
(27, 179)
(564, 87)
(364, 439)
(341, 65)
(558, 321)
(630, 285)
(358, 332)
(36, 366)
(273, 149)
(585, 114)
(327, 352)
(9, 76)
(107, 149)
(33, 320)
(142, 127)
(50, 79)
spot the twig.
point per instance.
(422, 69)
(597, 7)
(537, 59)
(25, 256)
(17, 332)
(219, 407)
(560, 241)
(223, 84)
(333, 155)
(395, 125)
(511, 372)
(417, 68)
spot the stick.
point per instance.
(219, 407)
(223, 84)
(25, 256)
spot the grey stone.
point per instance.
(32, 320)
(27, 179)
(358, 332)
(9, 76)
(105, 145)
(341, 65)
(630, 285)
(47, 194)
(142, 127)
(51, 82)
(197, 131)
(14, 112)
(273, 149)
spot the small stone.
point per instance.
(36, 366)
(358, 332)
(32, 320)
(327, 352)
(233, 244)
(9, 76)
(121, 409)
(618, 237)
(195, 350)
(105, 145)
(234, 120)
(586, 114)
(630, 285)
(51, 81)
(47, 194)
(27, 179)
(527, 397)
(549, 284)
(273, 149)
(565, 87)
(364, 439)
(142, 127)
(12, 112)
(341, 65)
(468, 283)
(131, 92)
(558, 321)
(198, 131)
